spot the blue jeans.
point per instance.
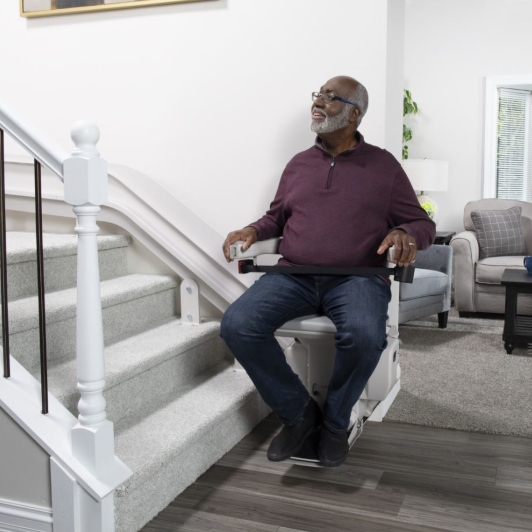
(356, 305)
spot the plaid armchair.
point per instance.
(477, 276)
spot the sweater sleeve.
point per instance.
(272, 223)
(407, 214)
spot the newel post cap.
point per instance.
(85, 173)
(85, 136)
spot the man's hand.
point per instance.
(405, 247)
(249, 235)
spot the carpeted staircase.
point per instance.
(171, 391)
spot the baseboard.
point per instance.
(20, 517)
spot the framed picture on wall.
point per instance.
(42, 8)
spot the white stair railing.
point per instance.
(84, 175)
(85, 179)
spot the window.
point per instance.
(514, 156)
(508, 138)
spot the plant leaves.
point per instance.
(409, 108)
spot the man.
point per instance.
(342, 202)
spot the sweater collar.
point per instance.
(358, 136)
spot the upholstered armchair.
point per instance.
(430, 293)
(477, 285)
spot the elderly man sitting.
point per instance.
(342, 202)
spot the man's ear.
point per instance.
(355, 113)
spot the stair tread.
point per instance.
(21, 246)
(147, 443)
(173, 389)
(61, 305)
(136, 354)
(171, 386)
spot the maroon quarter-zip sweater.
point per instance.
(336, 211)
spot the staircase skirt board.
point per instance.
(171, 391)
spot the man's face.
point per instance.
(330, 117)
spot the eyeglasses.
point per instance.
(328, 98)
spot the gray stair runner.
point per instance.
(177, 404)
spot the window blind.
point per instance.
(514, 145)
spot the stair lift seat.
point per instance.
(311, 356)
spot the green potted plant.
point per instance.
(409, 108)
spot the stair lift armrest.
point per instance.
(271, 247)
(262, 247)
(248, 263)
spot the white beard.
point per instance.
(331, 124)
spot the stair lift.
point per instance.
(311, 354)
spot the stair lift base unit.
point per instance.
(312, 354)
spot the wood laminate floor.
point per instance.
(397, 477)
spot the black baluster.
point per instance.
(40, 282)
(3, 261)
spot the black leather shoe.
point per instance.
(292, 437)
(333, 448)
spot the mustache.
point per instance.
(319, 111)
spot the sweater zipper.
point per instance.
(329, 176)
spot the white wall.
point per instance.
(450, 47)
(211, 99)
(24, 467)
(394, 80)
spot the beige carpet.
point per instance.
(462, 378)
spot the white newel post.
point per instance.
(85, 177)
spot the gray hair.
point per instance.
(361, 98)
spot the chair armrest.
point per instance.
(440, 259)
(262, 247)
(437, 258)
(466, 255)
(466, 242)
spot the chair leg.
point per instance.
(442, 319)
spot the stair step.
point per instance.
(176, 402)
(60, 258)
(169, 449)
(140, 370)
(130, 304)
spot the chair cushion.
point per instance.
(313, 322)
(489, 271)
(499, 233)
(426, 283)
(423, 307)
